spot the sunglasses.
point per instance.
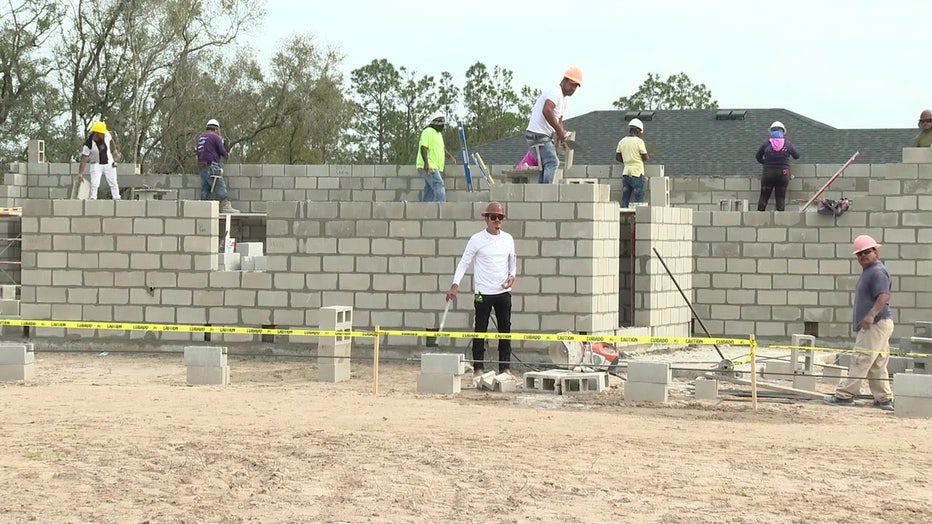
(867, 251)
(495, 217)
(925, 120)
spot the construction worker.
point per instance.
(545, 129)
(924, 138)
(430, 160)
(873, 322)
(775, 155)
(210, 150)
(101, 153)
(632, 152)
(493, 252)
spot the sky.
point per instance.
(851, 65)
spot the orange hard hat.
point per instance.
(863, 243)
(575, 74)
(494, 208)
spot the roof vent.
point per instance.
(731, 114)
(643, 115)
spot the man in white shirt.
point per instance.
(546, 124)
(493, 251)
(101, 153)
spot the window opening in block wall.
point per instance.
(626, 271)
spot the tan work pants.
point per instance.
(865, 363)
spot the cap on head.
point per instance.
(925, 114)
(99, 127)
(636, 122)
(863, 243)
(574, 74)
(494, 208)
(778, 125)
(438, 118)
(213, 124)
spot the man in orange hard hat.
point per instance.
(493, 252)
(873, 322)
(545, 129)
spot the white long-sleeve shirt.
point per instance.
(495, 261)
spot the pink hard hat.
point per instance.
(863, 243)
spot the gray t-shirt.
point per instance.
(874, 280)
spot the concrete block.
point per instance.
(13, 354)
(250, 249)
(911, 155)
(911, 385)
(438, 384)
(706, 389)
(778, 370)
(333, 318)
(337, 371)
(650, 372)
(487, 381)
(504, 383)
(443, 363)
(548, 381)
(897, 364)
(582, 383)
(913, 407)
(10, 372)
(645, 392)
(208, 375)
(230, 261)
(8, 292)
(205, 356)
(9, 308)
(832, 374)
(804, 381)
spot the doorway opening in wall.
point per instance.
(206, 334)
(269, 338)
(626, 267)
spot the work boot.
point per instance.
(226, 207)
(835, 401)
(886, 405)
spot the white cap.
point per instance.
(437, 116)
(213, 123)
(778, 124)
(636, 122)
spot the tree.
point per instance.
(376, 86)
(29, 103)
(676, 92)
(493, 109)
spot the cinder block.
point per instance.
(778, 370)
(336, 372)
(7, 292)
(208, 375)
(832, 374)
(582, 383)
(706, 389)
(913, 407)
(911, 155)
(438, 384)
(339, 350)
(333, 318)
(505, 383)
(487, 380)
(650, 372)
(205, 356)
(645, 392)
(10, 372)
(443, 363)
(897, 364)
(230, 261)
(802, 340)
(9, 308)
(17, 354)
(250, 249)
(910, 385)
(548, 381)
(804, 381)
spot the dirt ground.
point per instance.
(122, 439)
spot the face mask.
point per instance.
(438, 127)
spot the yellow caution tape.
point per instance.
(851, 350)
(543, 337)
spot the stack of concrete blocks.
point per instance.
(334, 351)
(207, 366)
(648, 381)
(566, 382)
(803, 361)
(253, 257)
(659, 191)
(17, 362)
(706, 388)
(913, 395)
(441, 373)
(9, 304)
(657, 302)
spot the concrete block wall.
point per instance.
(51, 180)
(658, 304)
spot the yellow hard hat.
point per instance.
(99, 127)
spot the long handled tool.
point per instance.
(484, 169)
(691, 308)
(830, 181)
(443, 319)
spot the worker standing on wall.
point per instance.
(100, 153)
(545, 129)
(633, 153)
(210, 151)
(775, 155)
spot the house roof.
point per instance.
(693, 142)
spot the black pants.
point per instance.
(484, 305)
(773, 180)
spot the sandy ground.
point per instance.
(122, 439)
